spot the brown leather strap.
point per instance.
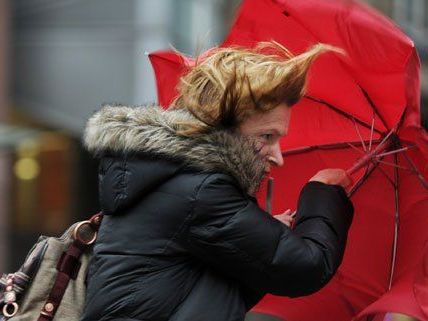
(69, 261)
(68, 267)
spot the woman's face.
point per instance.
(267, 129)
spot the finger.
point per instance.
(346, 181)
(284, 216)
(287, 212)
(288, 223)
(286, 219)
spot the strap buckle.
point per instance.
(86, 232)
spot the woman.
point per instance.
(183, 237)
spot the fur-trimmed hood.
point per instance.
(153, 131)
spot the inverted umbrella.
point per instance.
(361, 112)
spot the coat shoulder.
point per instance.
(197, 185)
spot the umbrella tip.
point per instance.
(146, 53)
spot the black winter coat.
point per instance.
(183, 238)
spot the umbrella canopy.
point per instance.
(364, 104)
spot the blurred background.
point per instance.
(61, 59)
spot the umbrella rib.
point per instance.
(371, 166)
(386, 175)
(384, 140)
(396, 166)
(355, 148)
(396, 151)
(341, 112)
(371, 131)
(368, 157)
(359, 134)
(396, 224)
(367, 169)
(358, 184)
(373, 106)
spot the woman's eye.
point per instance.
(267, 137)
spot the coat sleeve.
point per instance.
(231, 234)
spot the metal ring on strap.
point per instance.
(6, 307)
(76, 233)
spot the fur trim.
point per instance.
(152, 130)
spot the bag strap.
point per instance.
(84, 235)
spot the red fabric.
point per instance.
(168, 67)
(420, 286)
(378, 76)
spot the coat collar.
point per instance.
(153, 131)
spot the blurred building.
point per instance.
(72, 55)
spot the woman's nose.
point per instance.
(276, 155)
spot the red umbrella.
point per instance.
(364, 105)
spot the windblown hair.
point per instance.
(230, 84)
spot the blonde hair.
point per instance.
(230, 84)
